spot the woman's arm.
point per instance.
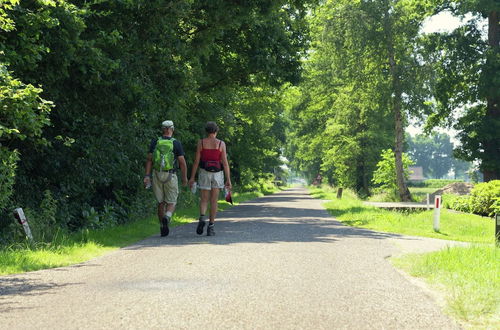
(195, 163)
(225, 163)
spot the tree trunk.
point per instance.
(339, 193)
(492, 144)
(404, 192)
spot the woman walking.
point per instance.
(211, 157)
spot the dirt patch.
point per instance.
(456, 188)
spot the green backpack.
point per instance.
(163, 155)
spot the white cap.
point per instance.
(167, 124)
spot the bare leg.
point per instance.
(161, 210)
(171, 207)
(205, 195)
(214, 197)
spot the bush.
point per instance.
(456, 202)
(483, 200)
(385, 174)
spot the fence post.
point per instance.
(437, 211)
(21, 218)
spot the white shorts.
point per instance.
(208, 180)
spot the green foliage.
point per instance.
(483, 199)
(344, 113)
(466, 86)
(8, 161)
(385, 175)
(434, 183)
(114, 71)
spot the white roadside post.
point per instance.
(21, 218)
(437, 211)
(428, 202)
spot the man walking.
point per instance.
(165, 156)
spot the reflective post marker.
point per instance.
(437, 211)
(21, 218)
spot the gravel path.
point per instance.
(278, 262)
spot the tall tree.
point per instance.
(368, 71)
(467, 87)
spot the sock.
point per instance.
(168, 214)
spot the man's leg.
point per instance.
(161, 210)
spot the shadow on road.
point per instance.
(15, 286)
(271, 219)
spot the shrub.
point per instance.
(385, 174)
(484, 198)
(456, 202)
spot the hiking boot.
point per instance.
(201, 225)
(165, 221)
(210, 229)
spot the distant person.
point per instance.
(211, 157)
(164, 158)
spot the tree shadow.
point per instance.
(18, 286)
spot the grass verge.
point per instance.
(453, 226)
(82, 246)
(468, 276)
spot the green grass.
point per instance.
(87, 244)
(468, 276)
(418, 194)
(453, 226)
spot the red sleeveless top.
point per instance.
(210, 154)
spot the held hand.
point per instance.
(147, 182)
(184, 182)
(228, 185)
(191, 182)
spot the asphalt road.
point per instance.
(278, 262)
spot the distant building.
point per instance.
(416, 173)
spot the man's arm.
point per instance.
(148, 168)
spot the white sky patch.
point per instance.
(442, 22)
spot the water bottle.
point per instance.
(162, 164)
(194, 187)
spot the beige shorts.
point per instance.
(208, 180)
(165, 190)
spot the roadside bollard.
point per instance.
(428, 202)
(21, 218)
(437, 211)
